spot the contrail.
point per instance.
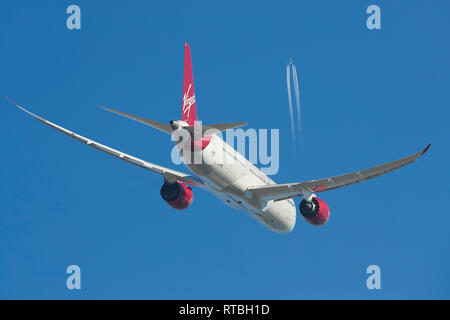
(291, 110)
(297, 96)
(291, 69)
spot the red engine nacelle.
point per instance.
(178, 195)
(315, 212)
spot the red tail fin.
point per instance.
(189, 113)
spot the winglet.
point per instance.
(23, 109)
(12, 101)
(426, 148)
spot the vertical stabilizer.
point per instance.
(189, 112)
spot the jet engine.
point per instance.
(315, 211)
(178, 195)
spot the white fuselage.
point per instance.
(228, 175)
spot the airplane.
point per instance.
(239, 184)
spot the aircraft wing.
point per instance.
(291, 190)
(166, 172)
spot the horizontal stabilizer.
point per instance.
(167, 128)
(164, 127)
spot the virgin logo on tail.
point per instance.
(188, 101)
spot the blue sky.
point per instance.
(367, 97)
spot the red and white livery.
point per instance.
(228, 174)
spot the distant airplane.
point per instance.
(241, 186)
